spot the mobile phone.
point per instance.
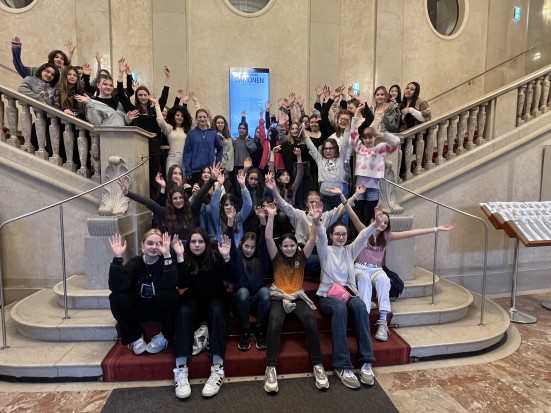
(134, 77)
(274, 125)
(300, 129)
(356, 89)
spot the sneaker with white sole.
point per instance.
(382, 331)
(200, 339)
(157, 344)
(322, 382)
(348, 378)
(270, 380)
(215, 381)
(181, 383)
(366, 375)
(138, 346)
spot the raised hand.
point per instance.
(247, 163)
(177, 245)
(167, 71)
(185, 99)
(221, 178)
(282, 118)
(133, 114)
(98, 57)
(280, 102)
(359, 109)
(16, 40)
(446, 227)
(334, 191)
(195, 188)
(231, 213)
(351, 92)
(180, 93)
(154, 100)
(277, 149)
(296, 151)
(378, 212)
(165, 245)
(81, 98)
(261, 114)
(271, 209)
(70, 47)
(193, 96)
(300, 101)
(260, 212)
(123, 186)
(292, 98)
(86, 69)
(122, 65)
(319, 90)
(316, 212)
(160, 180)
(270, 182)
(241, 178)
(118, 245)
(215, 170)
(224, 247)
(135, 86)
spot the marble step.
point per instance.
(39, 316)
(451, 303)
(460, 336)
(79, 297)
(27, 357)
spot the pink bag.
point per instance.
(338, 292)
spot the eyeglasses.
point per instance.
(328, 148)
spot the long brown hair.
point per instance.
(171, 217)
(380, 241)
(68, 91)
(150, 108)
(252, 236)
(223, 217)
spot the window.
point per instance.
(17, 6)
(248, 8)
(447, 17)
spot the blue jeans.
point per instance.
(333, 201)
(259, 302)
(338, 312)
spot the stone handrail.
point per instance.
(432, 143)
(72, 125)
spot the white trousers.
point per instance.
(173, 158)
(366, 277)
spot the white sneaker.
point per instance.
(366, 375)
(215, 381)
(270, 380)
(322, 382)
(181, 383)
(382, 331)
(200, 339)
(138, 346)
(157, 343)
(348, 378)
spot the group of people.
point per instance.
(237, 220)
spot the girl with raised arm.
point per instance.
(337, 267)
(203, 273)
(369, 271)
(144, 289)
(288, 297)
(283, 179)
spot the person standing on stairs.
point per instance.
(144, 289)
(369, 271)
(337, 267)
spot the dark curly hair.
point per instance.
(186, 125)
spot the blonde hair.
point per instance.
(152, 231)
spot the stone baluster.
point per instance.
(400, 154)
(82, 144)
(40, 126)
(520, 104)
(419, 150)
(95, 154)
(471, 126)
(55, 139)
(69, 143)
(481, 124)
(26, 127)
(545, 95)
(408, 157)
(429, 149)
(440, 142)
(452, 132)
(537, 95)
(461, 130)
(13, 118)
(2, 134)
(528, 101)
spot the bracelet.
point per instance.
(345, 202)
(435, 230)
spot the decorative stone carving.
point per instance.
(528, 101)
(545, 94)
(94, 153)
(452, 132)
(481, 124)
(113, 202)
(471, 126)
(69, 143)
(26, 127)
(13, 118)
(419, 148)
(520, 104)
(408, 158)
(55, 137)
(461, 129)
(388, 196)
(40, 126)
(429, 149)
(82, 144)
(440, 141)
(537, 94)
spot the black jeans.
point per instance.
(129, 309)
(275, 321)
(191, 313)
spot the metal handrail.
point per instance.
(60, 203)
(485, 243)
(481, 74)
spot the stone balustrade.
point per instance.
(453, 134)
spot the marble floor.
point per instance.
(516, 377)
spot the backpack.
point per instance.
(392, 118)
(396, 283)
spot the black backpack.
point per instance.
(396, 283)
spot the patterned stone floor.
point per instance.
(520, 381)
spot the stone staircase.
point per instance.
(44, 344)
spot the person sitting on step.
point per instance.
(144, 289)
(369, 271)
